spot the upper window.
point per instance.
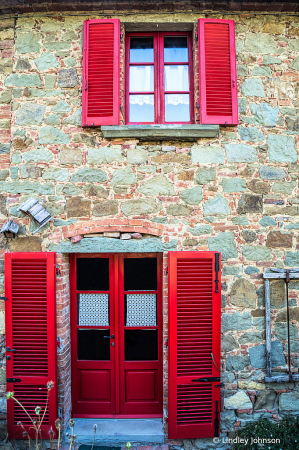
(159, 78)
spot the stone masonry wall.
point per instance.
(237, 194)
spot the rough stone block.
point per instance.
(233, 184)
(139, 207)
(228, 344)
(70, 156)
(46, 61)
(249, 203)
(200, 230)
(240, 153)
(68, 78)
(206, 155)
(243, 294)
(279, 239)
(238, 401)
(51, 135)
(26, 244)
(77, 207)
(108, 208)
(205, 175)
(124, 177)
(178, 210)
(158, 185)
(259, 187)
(217, 205)
(192, 196)
(256, 253)
(225, 244)
(272, 173)
(89, 175)
(253, 87)
(137, 156)
(264, 114)
(105, 155)
(236, 321)
(257, 355)
(281, 148)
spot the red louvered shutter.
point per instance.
(218, 72)
(101, 71)
(30, 327)
(194, 336)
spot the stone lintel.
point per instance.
(158, 132)
(107, 245)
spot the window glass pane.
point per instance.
(141, 108)
(176, 49)
(141, 345)
(176, 78)
(92, 274)
(93, 346)
(93, 310)
(141, 78)
(177, 108)
(141, 49)
(140, 310)
(140, 274)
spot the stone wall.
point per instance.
(237, 194)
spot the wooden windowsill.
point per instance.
(161, 132)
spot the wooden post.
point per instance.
(268, 327)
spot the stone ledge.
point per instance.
(154, 132)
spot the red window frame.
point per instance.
(159, 92)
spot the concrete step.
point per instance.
(119, 431)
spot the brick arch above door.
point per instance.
(156, 237)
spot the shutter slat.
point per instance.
(194, 334)
(30, 312)
(101, 67)
(218, 73)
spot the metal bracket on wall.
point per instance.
(286, 275)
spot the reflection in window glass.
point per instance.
(140, 274)
(177, 108)
(176, 78)
(93, 346)
(92, 274)
(141, 49)
(141, 108)
(176, 49)
(141, 78)
(93, 310)
(140, 310)
(141, 345)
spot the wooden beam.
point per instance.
(268, 327)
(273, 276)
(281, 378)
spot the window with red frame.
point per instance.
(159, 78)
(159, 75)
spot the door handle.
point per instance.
(110, 337)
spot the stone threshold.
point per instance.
(161, 132)
(119, 431)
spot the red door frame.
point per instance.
(96, 365)
(117, 365)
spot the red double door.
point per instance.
(116, 335)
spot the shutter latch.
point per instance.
(207, 379)
(217, 270)
(166, 343)
(3, 298)
(85, 85)
(13, 380)
(166, 270)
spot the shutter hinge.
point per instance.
(85, 85)
(121, 34)
(121, 106)
(166, 343)
(57, 270)
(166, 270)
(3, 298)
(166, 419)
(216, 420)
(13, 380)
(217, 271)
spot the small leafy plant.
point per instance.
(268, 435)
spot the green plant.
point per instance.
(267, 435)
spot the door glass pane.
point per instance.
(176, 78)
(141, 108)
(92, 274)
(177, 108)
(176, 49)
(141, 49)
(141, 345)
(140, 274)
(93, 346)
(140, 310)
(141, 78)
(93, 310)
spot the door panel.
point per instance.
(117, 335)
(140, 334)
